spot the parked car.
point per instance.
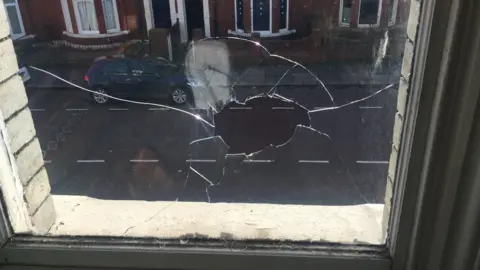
(133, 78)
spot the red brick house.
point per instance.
(87, 23)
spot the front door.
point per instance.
(260, 15)
(14, 18)
(161, 13)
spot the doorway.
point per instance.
(161, 13)
(194, 9)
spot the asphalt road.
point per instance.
(128, 151)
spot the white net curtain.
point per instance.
(88, 20)
(109, 12)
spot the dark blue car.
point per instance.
(137, 78)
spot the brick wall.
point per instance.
(18, 137)
(401, 105)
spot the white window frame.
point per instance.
(237, 29)
(287, 18)
(379, 13)
(435, 213)
(340, 15)
(77, 18)
(20, 20)
(262, 33)
(394, 13)
(117, 21)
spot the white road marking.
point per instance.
(370, 107)
(47, 161)
(37, 110)
(144, 160)
(202, 160)
(118, 109)
(372, 162)
(158, 109)
(77, 109)
(313, 161)
(283, 108)
(90, 160)
(319, 108)
(240, 108)
(258, 161)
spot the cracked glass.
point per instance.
(256, 114)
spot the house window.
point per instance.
(14, 18)
(345, 10)
(392, 11)
(261, 19)
(369, 13)
(283, 14)
(110, 15)
(239, 15)
(85, 16)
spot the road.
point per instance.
(129, 151)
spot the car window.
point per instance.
(116, 67)
(144, 66)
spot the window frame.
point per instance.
(236, 17)
(439, 156)
(262, 33)
(78, 20)
(20, 19)
(394, 13)
(379, 14)
(117, 20)
(340, 15)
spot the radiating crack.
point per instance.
(242, 140)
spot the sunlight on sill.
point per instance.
(80, 215)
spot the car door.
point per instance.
(153, 82)
(120, 79)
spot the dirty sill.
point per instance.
(80, 215)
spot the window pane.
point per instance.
(86, 11)
(368, 12)
(347, 7)
(227, 139)
(391, 10)
(283, 14)
(13, 19)
(239, 14)
(109, 14)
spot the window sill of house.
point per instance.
(283, 32)
(81, 215)
(106, 35)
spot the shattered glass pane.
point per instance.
(257, 103)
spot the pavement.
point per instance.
(128, 151)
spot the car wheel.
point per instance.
(100, 96)
(179, 95)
